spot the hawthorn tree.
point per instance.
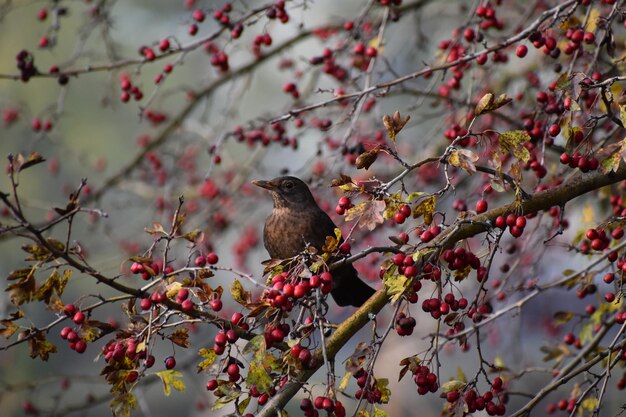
(469, 152)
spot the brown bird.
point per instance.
(297, 221)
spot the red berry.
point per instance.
(79, 317)
(170, 362)
(164, 45)
(145, 304)
(198, 15)
(212, 258)
(521, 51)
(216, 305)
(44, 41)
(481, 206)
(80, 346)
(554, 130)
(452, 396)
(200, 261)
(186, 305)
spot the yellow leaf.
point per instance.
(460, 375)
(622, 114)
(498, 362)
(379, 412)
(454, 385)
(396, 285)
(345, 380)
(172, 289)
(463, 159)
(426, 208)
(588, 215)
(484, 104)
(589, 404)
(368, 212)
(367, 158)
(209, 356)
(256, 344)
(122, 405)
(571, 23)
(392, 205)
(513, 142)
(376, 43)
(382, 385)
(388, 123)
(258, 375)
(592, 20)
(171, 379)
(239, 294)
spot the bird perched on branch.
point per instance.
(297, 221)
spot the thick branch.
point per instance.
(579, 185)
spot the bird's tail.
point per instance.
(349, 289)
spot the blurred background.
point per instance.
(94, 135)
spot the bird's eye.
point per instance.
(288, 185)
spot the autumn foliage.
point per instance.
(471, 154)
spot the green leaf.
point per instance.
(256, 344)
(241, 407)
(258, 375)
(586, 333)
(562, 317)
(229, 394)
(171, 379)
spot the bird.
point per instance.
(297, 221)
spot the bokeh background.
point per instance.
(95, 135)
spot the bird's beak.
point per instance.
(268, 185)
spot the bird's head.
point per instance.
(287, 191)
